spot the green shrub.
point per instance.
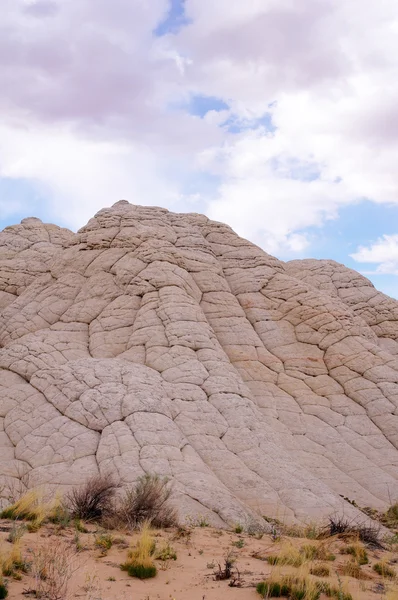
(3, 591)
(141, 571)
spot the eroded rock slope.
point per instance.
(164, 343)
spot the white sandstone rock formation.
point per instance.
(153, 342)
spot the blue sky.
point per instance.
(278, 119)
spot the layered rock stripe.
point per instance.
(162, 343)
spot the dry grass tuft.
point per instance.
(383, 569)
(358, 552)
(139, 558)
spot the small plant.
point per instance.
(384, 570)
(320, 571)
(93, 500)
(103, 542)
(77, 542)
(239, 543)
(211, 565)
(79, 526)
(226, 572)
(111, 579)
(139, 559)
(167, 552)
(238, 528)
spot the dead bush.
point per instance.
(93, 500)
(148, 501)
(52, 566)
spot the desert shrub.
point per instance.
(369, 534)
(52, 567)
(238, 528)
(93, 500)
(148, 500)
(383, 569)
(139, 558)
(239, 543)
(320, 571)
(338, 525)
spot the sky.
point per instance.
(278, 117)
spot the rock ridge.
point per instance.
(156, 342)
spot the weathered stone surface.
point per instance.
(164, 343)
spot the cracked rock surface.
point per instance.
(154, 342)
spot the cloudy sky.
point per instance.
(279, 117)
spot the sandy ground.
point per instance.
(190, 577)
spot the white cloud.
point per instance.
(89, 98)
(383, 252)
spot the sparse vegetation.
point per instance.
(93, 500)
(239, 543)
(384, 570)
(148, 500)
(238, 528)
